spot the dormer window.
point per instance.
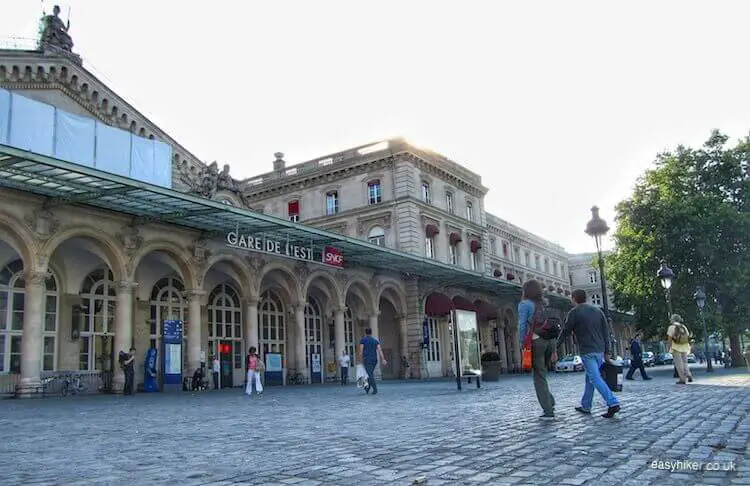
(293, 211)
(426, 196)
(332, 203)
(450, 203)
(374, 192)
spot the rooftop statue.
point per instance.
(55, 32)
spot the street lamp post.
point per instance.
(597, 228)
(666, 277)
(700, 301)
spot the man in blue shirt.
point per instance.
(369, 351)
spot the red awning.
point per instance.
(510, 276)
(293, 207)
(437, 305)
(461, 303)
(475, 246)
(455, 238)
(431, 230)
(497, 273)
(374, 182)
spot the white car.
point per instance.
(570, 363)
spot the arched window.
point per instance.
(272, 325)
(376, 236)
(225, 324)
(12, 306)
(313, 330)
(167, 303)
(99, 306)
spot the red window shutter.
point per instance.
(293, 208)
(375, 182)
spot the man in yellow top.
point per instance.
(679, 345)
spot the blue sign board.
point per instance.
(172, 354)
(274, 374)
(149, 379)
(425, 333)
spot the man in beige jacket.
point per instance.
(679, 345)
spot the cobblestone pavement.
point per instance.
(328, 435)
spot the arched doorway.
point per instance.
(225, 333)
(437, 308)
(314, 338)
(12, 307)
(271, 316)
(97, 324)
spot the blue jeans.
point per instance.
(592, 364)
(370, 368)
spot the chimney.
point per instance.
(279, 165)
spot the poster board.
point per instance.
(172, 355)
(466, 344)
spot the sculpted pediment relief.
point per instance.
(430, 220)
(364, 222)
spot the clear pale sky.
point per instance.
(557, 105)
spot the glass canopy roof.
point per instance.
(67, 183)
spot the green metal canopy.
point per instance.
(67, 183)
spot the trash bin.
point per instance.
(612, 374)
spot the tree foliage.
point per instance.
(692, 211)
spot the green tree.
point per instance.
(692, 211)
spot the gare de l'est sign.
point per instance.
(329, 256)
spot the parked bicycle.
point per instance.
(72, 384)
(296, 379)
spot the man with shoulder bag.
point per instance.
(678, 337)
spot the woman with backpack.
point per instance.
(531, 323)
(678, 337)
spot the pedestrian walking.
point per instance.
(344, 361)
(254, 369)
(636, 360)
(591, 329)
(129, 369)
(369, 352)
(531, 312)
(678, 338)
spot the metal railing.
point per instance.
(52, 382)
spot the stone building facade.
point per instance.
(79, 284)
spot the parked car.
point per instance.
(664, 359)
(691, 358)
(648, 358)
(571, 362)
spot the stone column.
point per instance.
(251, 324)
(339, 333)
(373, 325)
(123, 328)
(404, 345)
(300, 341)
(194, 330)
(31, 341)
(501, 347)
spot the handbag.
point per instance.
(260, 367)
(526, 359)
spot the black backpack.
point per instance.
(545, 325)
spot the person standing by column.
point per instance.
(369, 352)
(678, 338)
(636, 358)
(129, 368)
(591, 329)
(530, 313)
(344, 361)
(216, 368)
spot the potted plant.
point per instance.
(490, 366)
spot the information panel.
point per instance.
(466, 343)
(172, 355)
(274, 374)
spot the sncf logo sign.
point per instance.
(333, 257)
